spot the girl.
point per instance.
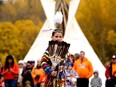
(71, 76)
(54, 56)
(10, 72)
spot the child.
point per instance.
(71, 76)
(55, 54)
(96, 80)
(27, 83)
(1, 80)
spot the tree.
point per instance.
(96, 18)
(27, 35)
(8, 40)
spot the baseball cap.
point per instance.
(20, 62)
(114, 57)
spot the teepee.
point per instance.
(73, 34)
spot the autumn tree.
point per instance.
(94, 17)
(22, 9)
(27, 35)
(9, 44)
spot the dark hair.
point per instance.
(7, 63)
(82, 52)
(57, 31)
(76, 55)
(1, 75)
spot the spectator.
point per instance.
(96, 80)
(38, 75)
(71, 58)
(33, 63)
(76, 56)
(26, 74)
(71, 76)
(27, 84)
(21, 66)
(10, 72)
(110, 69)
(84, 69)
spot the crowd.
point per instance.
(57, 68)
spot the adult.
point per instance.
(38, 75)
(10, 72)
(76, 56)
(110, 69)
(21, 66)
(26, 74)
(84, 69)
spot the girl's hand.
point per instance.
(7, 70)
(11, 70)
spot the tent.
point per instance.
(73, 35)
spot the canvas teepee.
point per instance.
(73, 34)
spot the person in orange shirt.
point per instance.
(38, 75)
(10, 72)
(84, 69)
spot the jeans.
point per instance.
(10, 83)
